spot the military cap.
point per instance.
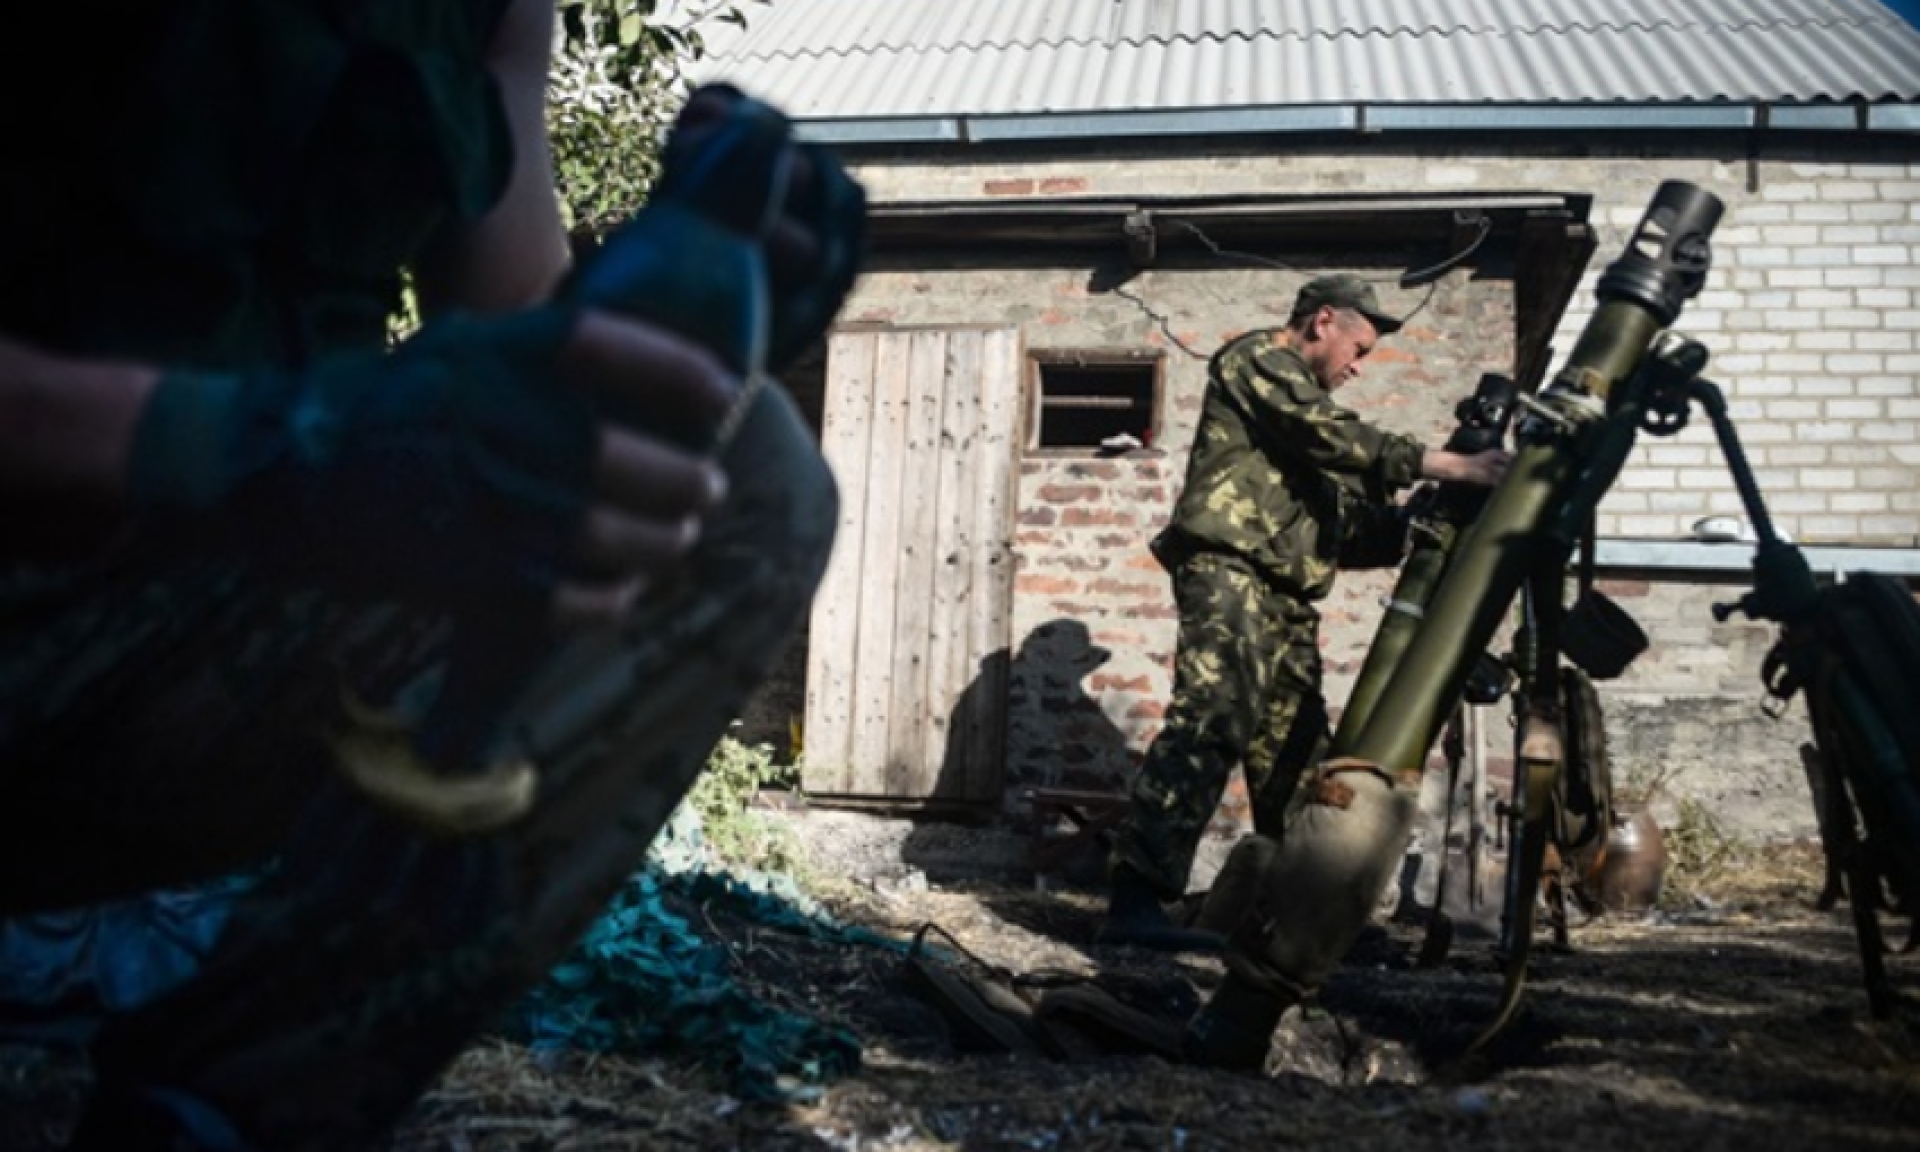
(1343, 290)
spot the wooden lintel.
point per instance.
(1553, 252)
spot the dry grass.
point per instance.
(1706, 867)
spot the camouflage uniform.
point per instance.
(167, 706)
(1283, 488)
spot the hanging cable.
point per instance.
(1166, 325)
(1435, 270)
(1486, 228)
(1444, 265)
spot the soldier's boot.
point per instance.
(1136, 918)
(1237, 883)
(1319, 886)
(1234, 1029)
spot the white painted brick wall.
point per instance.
(1812, 354)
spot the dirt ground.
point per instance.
(1736, 1019)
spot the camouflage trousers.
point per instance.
(1246, 694)
(160, 723)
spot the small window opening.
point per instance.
(1096, 405)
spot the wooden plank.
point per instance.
(1114, 403)
(907, 671)
(846, 429)
(878, 576)
(909, 771)
(991, 607)
(950, 663)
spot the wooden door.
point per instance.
(907, 652)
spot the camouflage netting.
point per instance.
(645, 981)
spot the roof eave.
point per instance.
(1366, 119)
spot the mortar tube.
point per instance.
(1496, 554)
(1484, 419)
(1610, 347)
(1420, 574)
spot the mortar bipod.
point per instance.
(1559, 812)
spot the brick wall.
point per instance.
(1093, 622)
(1812, 314)
(1812, 311)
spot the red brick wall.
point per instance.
(1093, 619)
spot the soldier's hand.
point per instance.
(1485, 469)
(651, 497)
(722, 155)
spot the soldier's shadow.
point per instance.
(1041, 692)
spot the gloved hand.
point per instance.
(732, 162)
(457, 470)
(455, 453)
(458, 448)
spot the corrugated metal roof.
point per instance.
(873, 59)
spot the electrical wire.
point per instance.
(1166, 325)
(1434, 270)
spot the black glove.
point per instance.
(455, 455)
(736, 169)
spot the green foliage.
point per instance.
(723, 797)
(617, 81)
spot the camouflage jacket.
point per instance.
(1283, 476)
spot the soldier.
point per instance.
(256, 553)
(1284, 487)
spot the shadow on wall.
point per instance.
(1071, 742)
(1043, 685)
